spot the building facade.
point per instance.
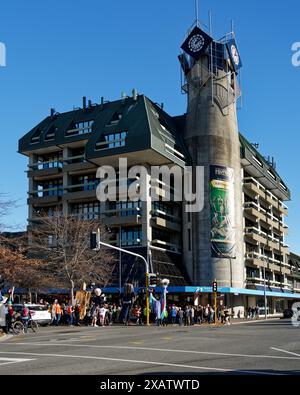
(238, 238)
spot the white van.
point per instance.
(38, 312)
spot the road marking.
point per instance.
(254, 321)
(143, 362)
(284, 351)
(157, 349)
(9, 361)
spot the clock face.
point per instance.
(235, 55)
(196, 43)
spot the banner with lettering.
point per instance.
(223, 234)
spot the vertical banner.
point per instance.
(222, 211)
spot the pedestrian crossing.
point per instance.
(9, 361)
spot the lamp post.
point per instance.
(100, 243)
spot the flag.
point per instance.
(163, 302)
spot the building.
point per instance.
(238, 238)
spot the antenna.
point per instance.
(197, 12)
(211, 59)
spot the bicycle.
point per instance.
(19, 327)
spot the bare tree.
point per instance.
(16, 268)
(62, 242)
(6, 205)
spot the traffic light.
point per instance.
(95, 240)
(215, 287)
(152, 280)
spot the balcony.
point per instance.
(164, 220)
(254, 186)
(51, 164)
(77, 164)
(256, 212)
(81, 191)
(40, 170)
(45, 196)
(256, 235)
(258, 189)
(166, 246)
(124, 216)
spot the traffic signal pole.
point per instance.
(100, 243)
(215, 308)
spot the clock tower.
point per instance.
(213, 245)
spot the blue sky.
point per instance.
(61, 50)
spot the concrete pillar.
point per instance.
(212, 138)
(146, 215)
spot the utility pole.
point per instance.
(215, 292)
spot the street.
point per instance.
(250, 348)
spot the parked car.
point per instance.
(38, 312)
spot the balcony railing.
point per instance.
(75, 159)
(249, 180)
(123, 212)
(51, 164)
(84, 187)
(156, 213)
(47, 192)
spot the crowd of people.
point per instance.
(253, 312)
(107, 314)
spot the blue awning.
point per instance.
(221, 290)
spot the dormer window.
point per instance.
(50, 135)
(115, 118)
(112, 140)
(84, 127)
(80, 128)
(36, 138)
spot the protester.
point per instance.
(25, 316)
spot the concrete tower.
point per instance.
(216, 248)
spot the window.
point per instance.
(163, 206)
(87, 211)
(126, 209)
(158, 234)
(113, 140)
(50, 188)
(252, 273)
(36, 138)
(115, 119)
(50, 135)
(131, 236)
(85, 183)
(84, 127)
(49, 161)
(80, 128)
